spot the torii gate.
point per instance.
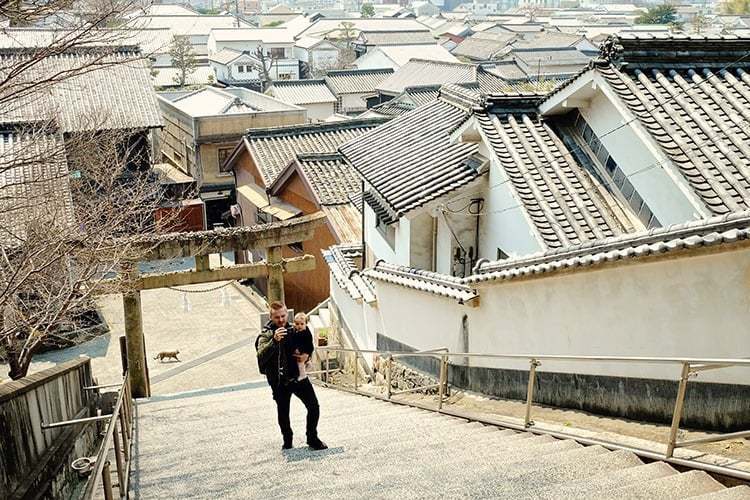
(272, 237)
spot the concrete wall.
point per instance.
(35, 463)
(695, 306)
(420, 241)
(352, 102)
(318, 112)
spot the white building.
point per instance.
(233, 67)
(277, 44)
(598, 220)
(313, 95)
(316, 54)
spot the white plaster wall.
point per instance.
(318, 112)
(505, 226)
(665, 197)
(420, 243)
(689, 307)
(324, 58)
(375, 242)
(375, 59)
(352, 102)
(362, 320)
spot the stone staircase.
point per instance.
(224, 443)
(320, 321)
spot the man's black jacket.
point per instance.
(277, 357)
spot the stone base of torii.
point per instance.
(270, 237)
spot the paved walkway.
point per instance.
(224, 443)
(213, 331)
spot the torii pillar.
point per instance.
(272, 237)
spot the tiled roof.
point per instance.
(356, 81)
(331, 178)
(419, 72)
(265, 35)
(697, 111)
(541, 62)
(425, 281)
(561, 199)
(704, 131)
(97, 91)
(201, 75)
(34, 185)
(302, 91)
(273, 148)
(482, 48)
(210, 101)
(196, 24)
(331, 28)
(341, 260)
(411, 160)
(401, 54)
(727, 229)
(226, 56)
(411, 98)
(380, 38)
(151, 40)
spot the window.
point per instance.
(276, 52)
(285, 76)
(597, 160)
(240, 68)
(501, 255)
(223, 155)
(297, 247)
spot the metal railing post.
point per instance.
(388, 364)
(677, 414)
(118, 461)
(527, 422)
(356, 370)
(125, 437)
(328, 364)
(107, 481)
(443, 380)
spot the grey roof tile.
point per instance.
(99, 90)
(274, 148)
(411, 159)
(303, 91)
(356, 81)
(34, 185)
(332, 179)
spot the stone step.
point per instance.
(687, 484)
(734, 493)
(316, 324)
(607, 481)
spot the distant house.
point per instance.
(194, 27)
(288, 171)
(353, 87)
(313, 95)
(276, 15)
(233, 67)
(368, 40)
(395, 56)
(276, 43)
(315, 55)
(202, 128)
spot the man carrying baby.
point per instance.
(282, 348)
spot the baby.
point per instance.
(300, 327)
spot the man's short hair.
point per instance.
(276, 305)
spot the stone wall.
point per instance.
(35, 462)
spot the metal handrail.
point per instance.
(122, 414)
(689, 368)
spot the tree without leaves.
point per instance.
(660, 14)
(183, 58)
(55, 260)
(266, 61)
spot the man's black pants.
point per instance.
(303, 389)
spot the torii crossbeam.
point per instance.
(271, 237)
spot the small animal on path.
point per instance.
(167, 355)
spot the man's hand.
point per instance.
(279, 334)
(302, 358)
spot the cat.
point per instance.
(167, 355)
